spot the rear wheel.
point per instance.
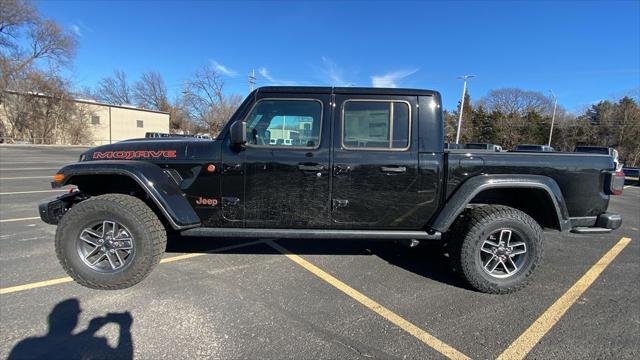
(496, 248)
(110, 241)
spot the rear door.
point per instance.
(286, 161)
(375, 161)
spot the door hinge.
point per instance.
(230, 201)
(338, 203)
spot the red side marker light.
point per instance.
(211, 168)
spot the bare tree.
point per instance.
(42, 111)
(26, 38)
(150, 92)
(14, 15)
(75, 130)
(206, 101)
(180, 119)
(31, 51)
(513, 101)
(114, 89)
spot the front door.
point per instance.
(286, 162)
(375, 164)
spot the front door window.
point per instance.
(285, 122)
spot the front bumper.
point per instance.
(52, 210)
(604, 223)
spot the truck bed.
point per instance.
(581, 177)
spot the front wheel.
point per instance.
(110, 242)
(496, 248)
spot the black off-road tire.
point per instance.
(470, 231)
(146, 229)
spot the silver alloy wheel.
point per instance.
(503, 254)
(106, 246)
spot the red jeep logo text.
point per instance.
(134, 154)
(205, 201)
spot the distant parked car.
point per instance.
(483, 146)
(151, 135)
(600, 150)
(451, 146)
(533, 148)
(631, 173)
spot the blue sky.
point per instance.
(584, 51)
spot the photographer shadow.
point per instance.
(61, 343)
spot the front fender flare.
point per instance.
(161, 190)
(475, 185)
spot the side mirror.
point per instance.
(238, 133)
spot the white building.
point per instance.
(107, 123)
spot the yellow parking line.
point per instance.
(389, 315)
(31, 192)
(35, 285)
(62, 280)
(19, 219)
(523, 344)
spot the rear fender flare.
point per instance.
(165, 193)
(477, 184)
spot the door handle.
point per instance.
(393, 169)
(341, 169)
(231, 167)
(310, 167)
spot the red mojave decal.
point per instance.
(134, 154)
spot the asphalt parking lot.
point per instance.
(270, 298)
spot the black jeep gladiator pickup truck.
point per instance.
(322, 162)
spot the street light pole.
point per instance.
(553, 117)
(464, 92)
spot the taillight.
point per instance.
(616, 185)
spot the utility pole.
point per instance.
(464, 92)
(553, 117)
(252, 80)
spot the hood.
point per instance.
(156, 149)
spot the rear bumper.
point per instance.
(609, 220)
(602, 223)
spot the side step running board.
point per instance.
(590, 230)
(312, 234)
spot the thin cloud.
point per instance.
(76, 29)
(79, 28)
(391, 79)
(333, 73)
(224, 70)
(263, 72)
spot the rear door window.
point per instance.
(376, 125)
